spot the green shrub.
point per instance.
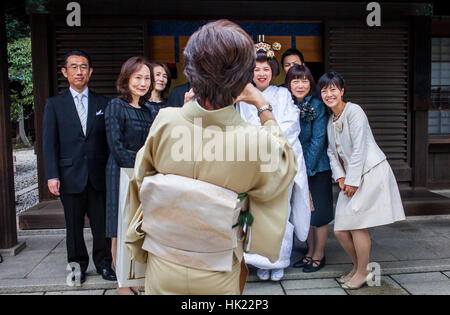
(21, 76)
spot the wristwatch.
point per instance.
(267, 107)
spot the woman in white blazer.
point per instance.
(369, 193)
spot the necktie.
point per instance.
(81, 111)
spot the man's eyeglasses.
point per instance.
(74, 68)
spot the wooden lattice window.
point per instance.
(439, 115)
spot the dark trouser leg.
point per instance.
(96, 212)
(74, 213)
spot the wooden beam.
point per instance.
(8, 229)
(41, 90)
(421, 97)
(237, 9)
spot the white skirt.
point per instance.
(376, 202)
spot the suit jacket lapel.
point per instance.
(92, 109)
(72, 109)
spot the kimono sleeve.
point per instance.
(268, 200)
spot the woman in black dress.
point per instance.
(127, 120)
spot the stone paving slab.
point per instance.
(330, 271)
(387, 287)
(52, 284)
(84, 292)
(411, 266)
(33, 293)
(329, 291)
(309, 284)
(263, 288)
(429, 226)
(428, 288)
(420, 277)
(439, 245)
(430, 283)
(37, 248)
(41, 242)
(19, 268)
(405, 248)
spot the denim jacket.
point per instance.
(313, 135)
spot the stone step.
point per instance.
(95, 282)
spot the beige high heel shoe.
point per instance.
(348, 286)
(345, 278)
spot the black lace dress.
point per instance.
(127, 128)
(154, 107)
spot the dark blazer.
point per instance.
(68, 154)
(313, 137)
(176, 98)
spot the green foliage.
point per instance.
(15, 29)
(36, 6)
(20, 68)
(21, 76)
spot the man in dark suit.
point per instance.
(75, 155)
(176, 98)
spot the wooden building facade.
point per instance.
(387, 68)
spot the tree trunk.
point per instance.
(22, 133)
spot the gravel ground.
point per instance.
(25, 176)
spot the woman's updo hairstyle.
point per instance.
(219, 61)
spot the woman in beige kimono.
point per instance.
(219, 61)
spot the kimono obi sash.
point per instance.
(190, 222)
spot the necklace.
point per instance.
(336, 117)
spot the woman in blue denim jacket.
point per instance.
(313, 137)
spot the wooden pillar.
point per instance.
(41, 90)
(421, 97)
(8, 229)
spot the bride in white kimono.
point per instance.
(287, 116)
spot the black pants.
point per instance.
(76, 206)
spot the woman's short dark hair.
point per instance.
(77, 52)
(300, 72)
(261, 56)
(130, 66)
(330, 79)
(165, 92)
(219, 61)
(290, 52)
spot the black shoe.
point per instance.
(301, 263)
(82, 277)
(107, 273)
(311, 268)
